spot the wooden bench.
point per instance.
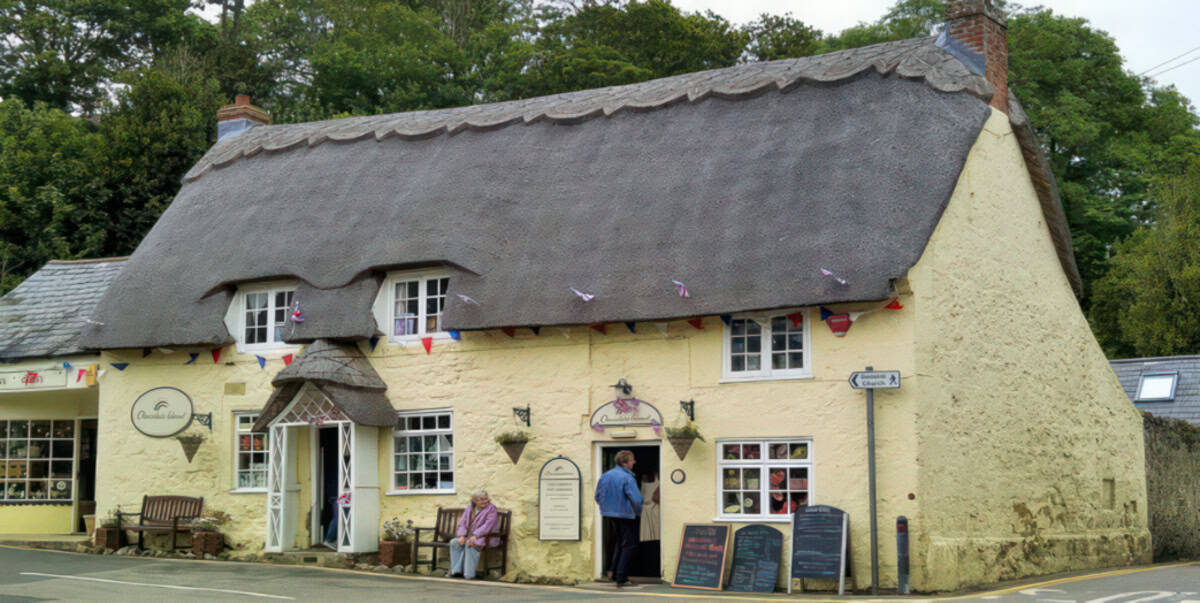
(162, 515)
(446, 530)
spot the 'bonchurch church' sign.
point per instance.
(162, 412)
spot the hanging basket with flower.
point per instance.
(681, 438)
(513, 442)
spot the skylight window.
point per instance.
(1157, 387)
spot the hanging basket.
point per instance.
(681, 446)
(514, 450)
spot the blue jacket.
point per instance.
(617, 494)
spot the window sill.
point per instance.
(420, 492)
(755, 378)
(754, 519)
(248, 491)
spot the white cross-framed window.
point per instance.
(260, 316)
(251, 454)
(37, 460)
(423, 452)
(776, 345)
(763, 479)
(411, 304)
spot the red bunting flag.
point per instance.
(511, 332)
(428, 343)
(599, 328)
(80, 375)
(216, 355)
(895, 305)
(287, 360)
(796, 318)
(697, 322)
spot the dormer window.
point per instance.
(411, 306)
(1157, 387)
(260, 315)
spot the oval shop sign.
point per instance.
(162, 412)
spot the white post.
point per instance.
(364, 483)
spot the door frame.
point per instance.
(597, 471)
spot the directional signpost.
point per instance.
(872, 380)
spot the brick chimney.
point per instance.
(239, 117)
(980, 29)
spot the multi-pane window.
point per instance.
(763, 478)
(417, 306)
(37, 460)
(266, 316)
(423, 452)
(773, 347)
(252, 453)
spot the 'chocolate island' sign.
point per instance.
(162, 412)
(626, 412)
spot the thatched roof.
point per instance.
(343, 374)
(743, 183)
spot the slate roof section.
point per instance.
(1185, 406)
(741, 182)
(42, 317)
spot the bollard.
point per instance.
(902, 554)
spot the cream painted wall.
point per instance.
(37, 519)
(1020, 418)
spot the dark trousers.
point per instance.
(625, 542)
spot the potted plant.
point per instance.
(681, 438)
(395, 546)
(513, 442)
(107, 536)
(206, 534)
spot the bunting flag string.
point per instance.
(682, 289)
(216, 354)
(100, 374)
(895, 304)
(120, 366)
(80, 375)
(632, 326)
(91, 375)
(696, 322)
(467, 300)
(825, 313)
(287, 360)
(661, 326)
(375, 341)
(537, 331)
(66, 366)
(192, 358)
(586, 297)
(796, 318)
(840, 280)
(455, 335)
(727, 319)
(599, 328)
(428, 343)
(165, 351)
(511, 332)
(262, 362)
(146, 352)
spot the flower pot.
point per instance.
(514, 450)
(89, 524)
(681, 446)
(206, 543)
(393, 553)
(108, 538)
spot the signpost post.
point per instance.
(871, 380)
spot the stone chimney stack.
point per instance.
(981, 29)
(239, 117)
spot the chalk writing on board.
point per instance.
(817, 542)
(756, 552)
(702, 556)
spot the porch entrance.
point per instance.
(350, 453)
(647, 564)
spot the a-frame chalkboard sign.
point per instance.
(820, 539)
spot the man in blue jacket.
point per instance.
(621, 504)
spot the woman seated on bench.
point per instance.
(477, 522)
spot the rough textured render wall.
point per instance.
(564, 375)
(1172, 464)
(1031, 457)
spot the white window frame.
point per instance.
(1174, 375)
(402, 416)
(238, 432)
(385, 312)
(49, 459)
(764, 484)
(766, 373)
(235, 318)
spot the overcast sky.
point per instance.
(1148, 32)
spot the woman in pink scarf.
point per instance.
(478, 521)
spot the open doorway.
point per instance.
(647, 564)
(85, 491)
(327, 484)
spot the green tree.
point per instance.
(50, 189)
(1148, 304)
(772, 37)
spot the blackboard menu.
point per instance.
(818, 542)
(702, 556)
(756, 551)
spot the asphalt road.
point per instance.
(1179, 584)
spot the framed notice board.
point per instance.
(820, 539)
(701, 561)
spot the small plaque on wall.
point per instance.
(559, 500)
